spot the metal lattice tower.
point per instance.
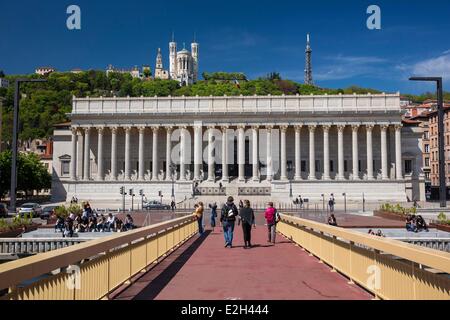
(308, 65)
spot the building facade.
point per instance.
(44, 70)
(434, 146)
(160, 73)
(271, 146)
(183, 65)
(4, 83)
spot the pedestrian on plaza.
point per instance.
(129, 222)
(241, 204)
(271, 216)
(59, 225)
(110, 222)
(198, 213)
(331, 204)
(332, 220)
(228, 218)
(213, 208)
(247, 216)
(173, 205)
(301, 201)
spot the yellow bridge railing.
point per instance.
(92, 270)
(390, 269)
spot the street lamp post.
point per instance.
(345, 202)
(364, 203)
(323, 202)
(13, 189)
(441, 151)
(172, 175)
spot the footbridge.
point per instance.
(169, 260)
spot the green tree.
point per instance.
(31, 173)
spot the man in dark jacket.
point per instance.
(228, 219)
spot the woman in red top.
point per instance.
(270, 215)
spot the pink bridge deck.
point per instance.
(203, 269)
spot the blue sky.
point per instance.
(254, 37)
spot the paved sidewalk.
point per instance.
(204, 269)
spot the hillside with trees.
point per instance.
(45, 104)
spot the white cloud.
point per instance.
(434, 67)
(346, 67)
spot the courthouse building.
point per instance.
(275, 147)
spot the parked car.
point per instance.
(156, 205)
(34, 208)
(47, 212)
(3, 210)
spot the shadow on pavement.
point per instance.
(155, 286)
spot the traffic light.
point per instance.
(122, 190)
(159, 193)
(131, 192)
(141, 192)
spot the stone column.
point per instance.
(355, 151)
(168, 152)
(255, 165)
(127, 153)
(341, 174)
(269, 153)
(283, 175)
(87, 154)
(241, 153)
(73, 156)
(298, 158)
(198, 156)
(182, 153)
(211, 162)
(384, 170)
(141, 174)
(114, 153)
(312, 153)
(398, 152)
(100, 170)
(369, 129)
(225, 177)
(326, 152)
(80, 152)
(155, 131)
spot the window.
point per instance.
(318, 165)
(426, 135)
(427, 162)
(65, 165)
(359, 165)
(303, 166)
(345, 166)
(427, 148)
(331, 166)
(289, 166)
(408, 166)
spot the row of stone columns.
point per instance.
(77, 135)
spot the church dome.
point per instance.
(184, 52)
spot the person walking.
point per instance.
(198, 213)
(228, 218)
(213, 208)
(271, 216)
(247, 217)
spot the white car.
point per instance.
(33, 208)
